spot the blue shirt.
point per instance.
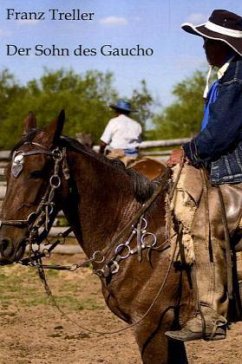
(211, 98)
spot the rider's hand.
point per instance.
(176, 157)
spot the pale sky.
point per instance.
(152, 24)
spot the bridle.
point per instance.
(39, 222)
(42, 217)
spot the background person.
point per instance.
(122, 135)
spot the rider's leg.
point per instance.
(210, 271)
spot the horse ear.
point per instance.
(56, 127)
(30, 122)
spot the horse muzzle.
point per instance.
(10, 252)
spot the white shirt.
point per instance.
(122, 132)
(223, 69)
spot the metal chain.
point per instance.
(124, 251)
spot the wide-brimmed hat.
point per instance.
(222, 25)
(122, 105)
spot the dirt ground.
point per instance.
(34, 331)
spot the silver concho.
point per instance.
(17, 165)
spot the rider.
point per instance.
(122, 135)
(217, 149)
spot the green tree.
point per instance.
(84, 97)
(183, 117)
(10, 91)
(10, 94)
(142, 101)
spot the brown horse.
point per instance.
(102, 201)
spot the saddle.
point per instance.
(232, 196)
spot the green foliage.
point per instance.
(10, 93)
(142, 101)
(85, 99)
(183, 117)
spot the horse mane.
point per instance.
(143, 188)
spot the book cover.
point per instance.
(81, 56)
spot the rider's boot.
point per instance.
(206, 324)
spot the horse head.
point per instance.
(33, 175)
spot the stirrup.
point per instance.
(218, 331)
(190, 332)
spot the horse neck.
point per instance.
(105, 197)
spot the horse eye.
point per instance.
(36, 174)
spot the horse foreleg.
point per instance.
(176, 352)
(159, 350)
(155, 347)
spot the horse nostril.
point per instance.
(6, 247)
(5, 243)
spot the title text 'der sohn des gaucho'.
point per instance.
(81, 50)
